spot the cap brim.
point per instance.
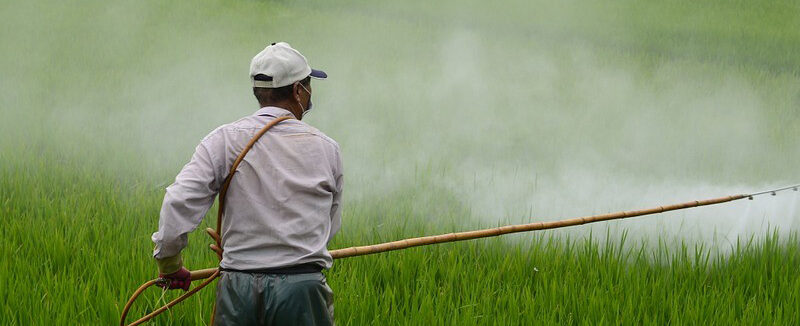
(318, 74)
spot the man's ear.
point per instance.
(296, 91)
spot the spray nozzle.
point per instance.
(773, 192)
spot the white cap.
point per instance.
(281, 65)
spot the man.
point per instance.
(282, 206)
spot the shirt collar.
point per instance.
(274, 111)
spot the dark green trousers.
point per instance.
(273, 299)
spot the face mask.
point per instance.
(310, 104)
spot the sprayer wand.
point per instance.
(468, 235)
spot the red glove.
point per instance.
(178, 280)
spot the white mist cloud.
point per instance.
(521, 113)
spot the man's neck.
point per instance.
(295, 111)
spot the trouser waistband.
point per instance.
(296, 269)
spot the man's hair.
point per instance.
(274, 95)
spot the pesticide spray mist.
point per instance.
(533, 111)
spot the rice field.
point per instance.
(451, 116)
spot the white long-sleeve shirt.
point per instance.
(283, 205)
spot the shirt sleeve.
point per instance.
(186, 202)
(336, 207)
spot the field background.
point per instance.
(451, 115)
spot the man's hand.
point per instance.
(177, 280)
(171, 269)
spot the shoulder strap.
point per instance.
(235, 165)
